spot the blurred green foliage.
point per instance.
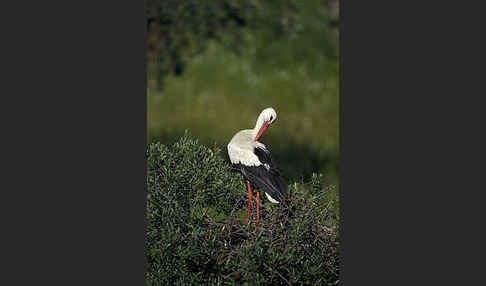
(213, 66)
(178, 30)
(197, 232)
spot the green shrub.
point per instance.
(197, 232)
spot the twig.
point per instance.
(282, 277)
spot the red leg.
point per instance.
(258, 205)
(249, 201)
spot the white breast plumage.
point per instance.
(243, 156)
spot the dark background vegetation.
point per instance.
(213, 66)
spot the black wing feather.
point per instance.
(265, 157)
(269, 180)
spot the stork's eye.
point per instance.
(271, 117)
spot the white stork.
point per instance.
(255, 163)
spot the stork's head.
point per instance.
(267, 117)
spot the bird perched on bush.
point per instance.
(253, 160)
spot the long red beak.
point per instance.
(262, 129)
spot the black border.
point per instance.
(410, 123)
(75, 162)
